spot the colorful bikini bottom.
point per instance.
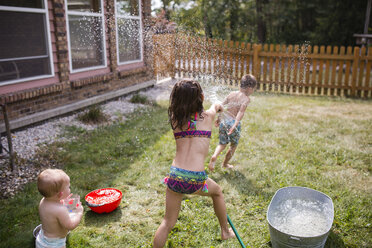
(185, 181)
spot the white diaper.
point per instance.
(45, 242)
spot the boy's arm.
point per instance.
(239, 116)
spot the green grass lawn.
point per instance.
(316, 142)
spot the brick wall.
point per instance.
(27, 102)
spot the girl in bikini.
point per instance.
(192, 130)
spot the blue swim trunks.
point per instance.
(225, 126)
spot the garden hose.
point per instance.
(235, 231)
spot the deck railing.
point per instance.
(296, 69)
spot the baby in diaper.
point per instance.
(54, 186)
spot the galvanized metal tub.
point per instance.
(282, 238)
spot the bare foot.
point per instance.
(211, 163)
(227, 166)
(227, 235)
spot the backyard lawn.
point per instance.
(317, 142)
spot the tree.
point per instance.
(320, 22)
(261, 21)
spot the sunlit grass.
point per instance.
(316, 142)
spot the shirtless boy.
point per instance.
(229, 127)
(54, 185)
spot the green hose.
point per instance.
(235, 231)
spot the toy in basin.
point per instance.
(103, 200)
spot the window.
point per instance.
(25, 47)
(129, 31)
(86, 34)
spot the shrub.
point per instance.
(94, 115)
(137, 98)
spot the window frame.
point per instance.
(139, 17)
(89, 14)
(47, 36)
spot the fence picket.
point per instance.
(341, 64)
(219, 63)
(226, 62)
(271, 70)
(188, 56)
(282, 68)
(215, 59)
(301, 75)
(368, 74)
(276, 70)
(295, 70)
(236, 74)
(230, 74)
(321, 68)
(360, 84)
(307, 71)
(242, 59)
(314, 72)
(327, 74)
(257, 61)
(248, 59)
(332, 90)
(289, 69)
(347, 72)
(354, 72)
(264, 75)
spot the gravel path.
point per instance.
(27, 141)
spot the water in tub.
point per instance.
(302, 218)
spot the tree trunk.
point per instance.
(261, 24)
(207, 25)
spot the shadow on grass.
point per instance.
(240, 182)
(334, 241)
(98, 220)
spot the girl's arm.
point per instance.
(214, 109)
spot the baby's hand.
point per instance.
(79, 207)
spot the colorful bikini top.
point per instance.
(191, 130)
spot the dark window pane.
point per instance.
(23, 3)
(127, 7)
(84, 5)
(22, 34)
(129, 40)
(86, 41)
(13, 70)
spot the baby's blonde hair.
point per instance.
(50, 182)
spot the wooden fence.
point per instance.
(336, 71)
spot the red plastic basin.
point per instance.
(103, 200)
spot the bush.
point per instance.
(94, 115)
(137, 98)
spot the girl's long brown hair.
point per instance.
(185, 100)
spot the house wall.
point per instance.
(29, 97)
